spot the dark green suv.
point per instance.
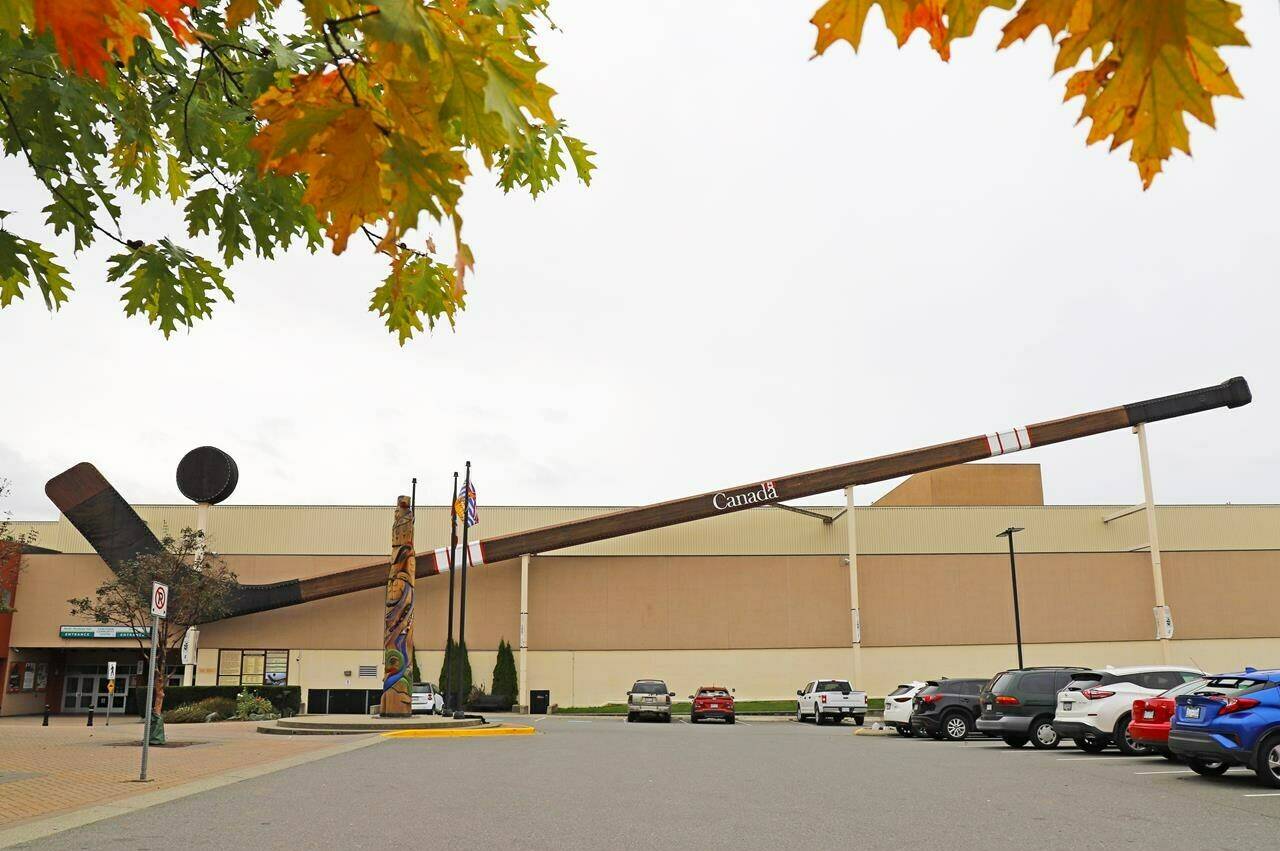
(1018, 705)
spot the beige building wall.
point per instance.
(970, 484)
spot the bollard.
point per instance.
(45, 722)
(90, 724)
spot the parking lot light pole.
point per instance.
(1013, 576)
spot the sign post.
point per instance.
(111, 688)
(159, 609)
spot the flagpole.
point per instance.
(453, 545)
(462, 598)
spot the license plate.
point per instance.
(1193, 712)
(1066, 704)
(1149, 714)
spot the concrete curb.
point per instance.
(460, 734)
(45, 827)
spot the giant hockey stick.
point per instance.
(113, 529)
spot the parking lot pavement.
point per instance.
(601, 782)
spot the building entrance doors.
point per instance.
(85, 688)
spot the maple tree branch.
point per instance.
(337, 22)
(338, 64)
(54, 190)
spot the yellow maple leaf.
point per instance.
(943, 20)
(313, 129)
(1152, 64)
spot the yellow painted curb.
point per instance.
(458, 734)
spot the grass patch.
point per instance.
(742, 707)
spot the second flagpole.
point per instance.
(462, 600)
(453, 545)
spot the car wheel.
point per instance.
(859, 720)
(1043, 735)
(905, 732)
(1015, 741)
(799, 714)
(731, 719)
(631, 716)
(1267, 766)
(1207, 767)
(1124, 742)
(666, 719)
(817, 716)
(693, 719)
(1091, 744)
(955, 727)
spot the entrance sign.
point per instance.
(95, 631)
(159, 599)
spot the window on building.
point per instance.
(253, 667)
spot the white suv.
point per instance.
(897, 707)
(1095, 707)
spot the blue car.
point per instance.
(1233, 719)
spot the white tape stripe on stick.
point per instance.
(475, 553)
(1004, 442)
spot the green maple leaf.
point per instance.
(167, 284)
(24, 262)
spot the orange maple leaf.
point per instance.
(91, 34)
(313, 128)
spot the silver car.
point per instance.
(651, 698)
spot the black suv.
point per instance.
(947, 708)
(1018, 705)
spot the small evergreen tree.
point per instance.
(505, 678)
(447, 682)
(417, 675)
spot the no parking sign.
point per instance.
(159, 599)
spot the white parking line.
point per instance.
(1185, 771)
(1099, 759)
(1264, 795)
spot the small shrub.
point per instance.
(192, 713)
(250, 703)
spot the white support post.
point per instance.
(524, 631)
(1157, 573)
(855, 618)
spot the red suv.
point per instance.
(712, 702)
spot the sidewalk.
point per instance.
(46, 771)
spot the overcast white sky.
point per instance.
(782, 264)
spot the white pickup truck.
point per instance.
(831, 699)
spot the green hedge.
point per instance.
(281, 697)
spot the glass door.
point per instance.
(85, 688)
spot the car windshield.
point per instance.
(1079, 682)
(1185, 688)
(899, 690)
(649, 687)
(1229, 686)
(928, 690)
(1003, 682)
(835, 685)
(713, 692)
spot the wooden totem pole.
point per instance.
(397, 632)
